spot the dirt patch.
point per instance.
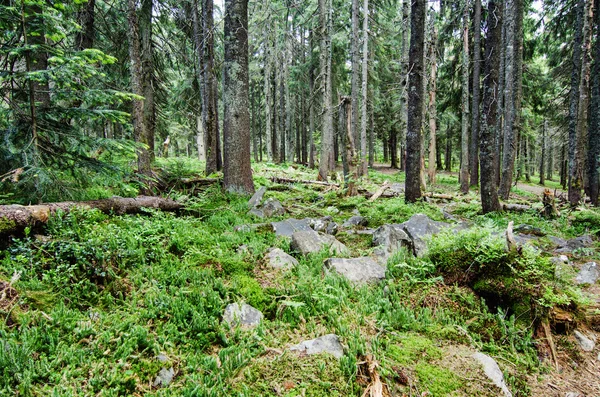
(8, 296)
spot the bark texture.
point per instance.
(475, 115)
(464, 162)
(15, 218)
(415, 101)
(327, 162)
(237, 174)
(432, 106)
(86, 17)
(594, 125)
(365, 76)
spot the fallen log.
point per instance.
(515, 207)
(277, 179)
(380, 191)
(15, 218)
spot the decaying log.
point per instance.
(511, 244)
(277, 179)
(515, 207)
(380, 191)
(15, 218)
(199, 181)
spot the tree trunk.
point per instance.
(365, 76)
(148, 81)
(550, 157)
(475, 113)
(210, 111)
(543, 156)
(84, 38)
(404, 51)
(268, 100)
(200, 139)
(448, 154)
(327, 162)
(355, 57)
(311, 108)
(509, 140)
(489, 113)
(15, 218)
(137, 113)
(499, 138)
(415, 102)
(594, 125)
(237, 174)
(464, 162)
(432, 106)
(577, 141)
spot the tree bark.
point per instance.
(475, 113)
(327, 162)
(365, 76)
(509, 140)
(237, 174)
(354, 45)
(15, 218)
(543, 156)
(84, 38)
(311, 107)
(464, 163)
(577, 142)
(594, 125)
(268, 100)
(148, 82)
(415, 102)
(210, 112)
(489, 113)
(432, 106)
(404, 83)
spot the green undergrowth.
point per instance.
(100, 297)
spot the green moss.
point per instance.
(438, 381)
(7, 225)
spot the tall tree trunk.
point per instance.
(543, 144)
(564, 169)
(432, 105)
(594, 125)
(365, 76)
(137, 113)
(210, 111)
(197, 28)
(448, 154)
(415, 101)
(282, 113)
(577, 152)
(237, 174)
(489, 113)
(253, 124)
(550, 157)
(499, 138)
(464, 162)
(355, 55)
(475, 113)
(148, 79)
(84, 38)
(509, 140)
(327, 162)
(404, 51)
(311, 107)
(268, 100)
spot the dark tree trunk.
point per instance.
(448, 154)
(415, 102)
(564, 162)
(464, 140)
(544, 144)
(237, 174)
(594, 125)
(489, 113)
(210, 113)
(475, 113)
(84, 38)
(311, 110)
(393, 147)
(327, 162)
(148, 78)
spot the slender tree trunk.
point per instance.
(415, 102)
(550, 159)
(268, 100)
(148, 78)
(253, 124)
(475, 113)
(499, 138)
(432, 106)
(311, 108)
(365, 76)
(594, 125)
(509, 141)
(578, 155)
(404, 51)
(464, 163)
(489, 113)
(393, 146)
(355, 56)
(210, 121)
(543, 144)
(564, 169)
(448, 154)
(237, 174)
(282, 113)
(327, 162)
(84, 38)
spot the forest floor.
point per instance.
(99, 305)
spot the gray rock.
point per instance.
(573, 244)
(249, 228)
(311, 242)
(323, 225)
(332, 228)
(573, 394)
(493, 372)
(257, 212)
(163, 358)
(273, 207)
(164, 377)
(357, 270)
(332, 210)
(588, 274)
(528, 229)
(563, 270)
(325, 344)
(290, 226)
(279, 259)
(585, 343)
(559, 242)
(396, 188)
(522, 239)
(418, 227)
(244, 315)
(354, 221)
(391, 238)
(257, 197)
